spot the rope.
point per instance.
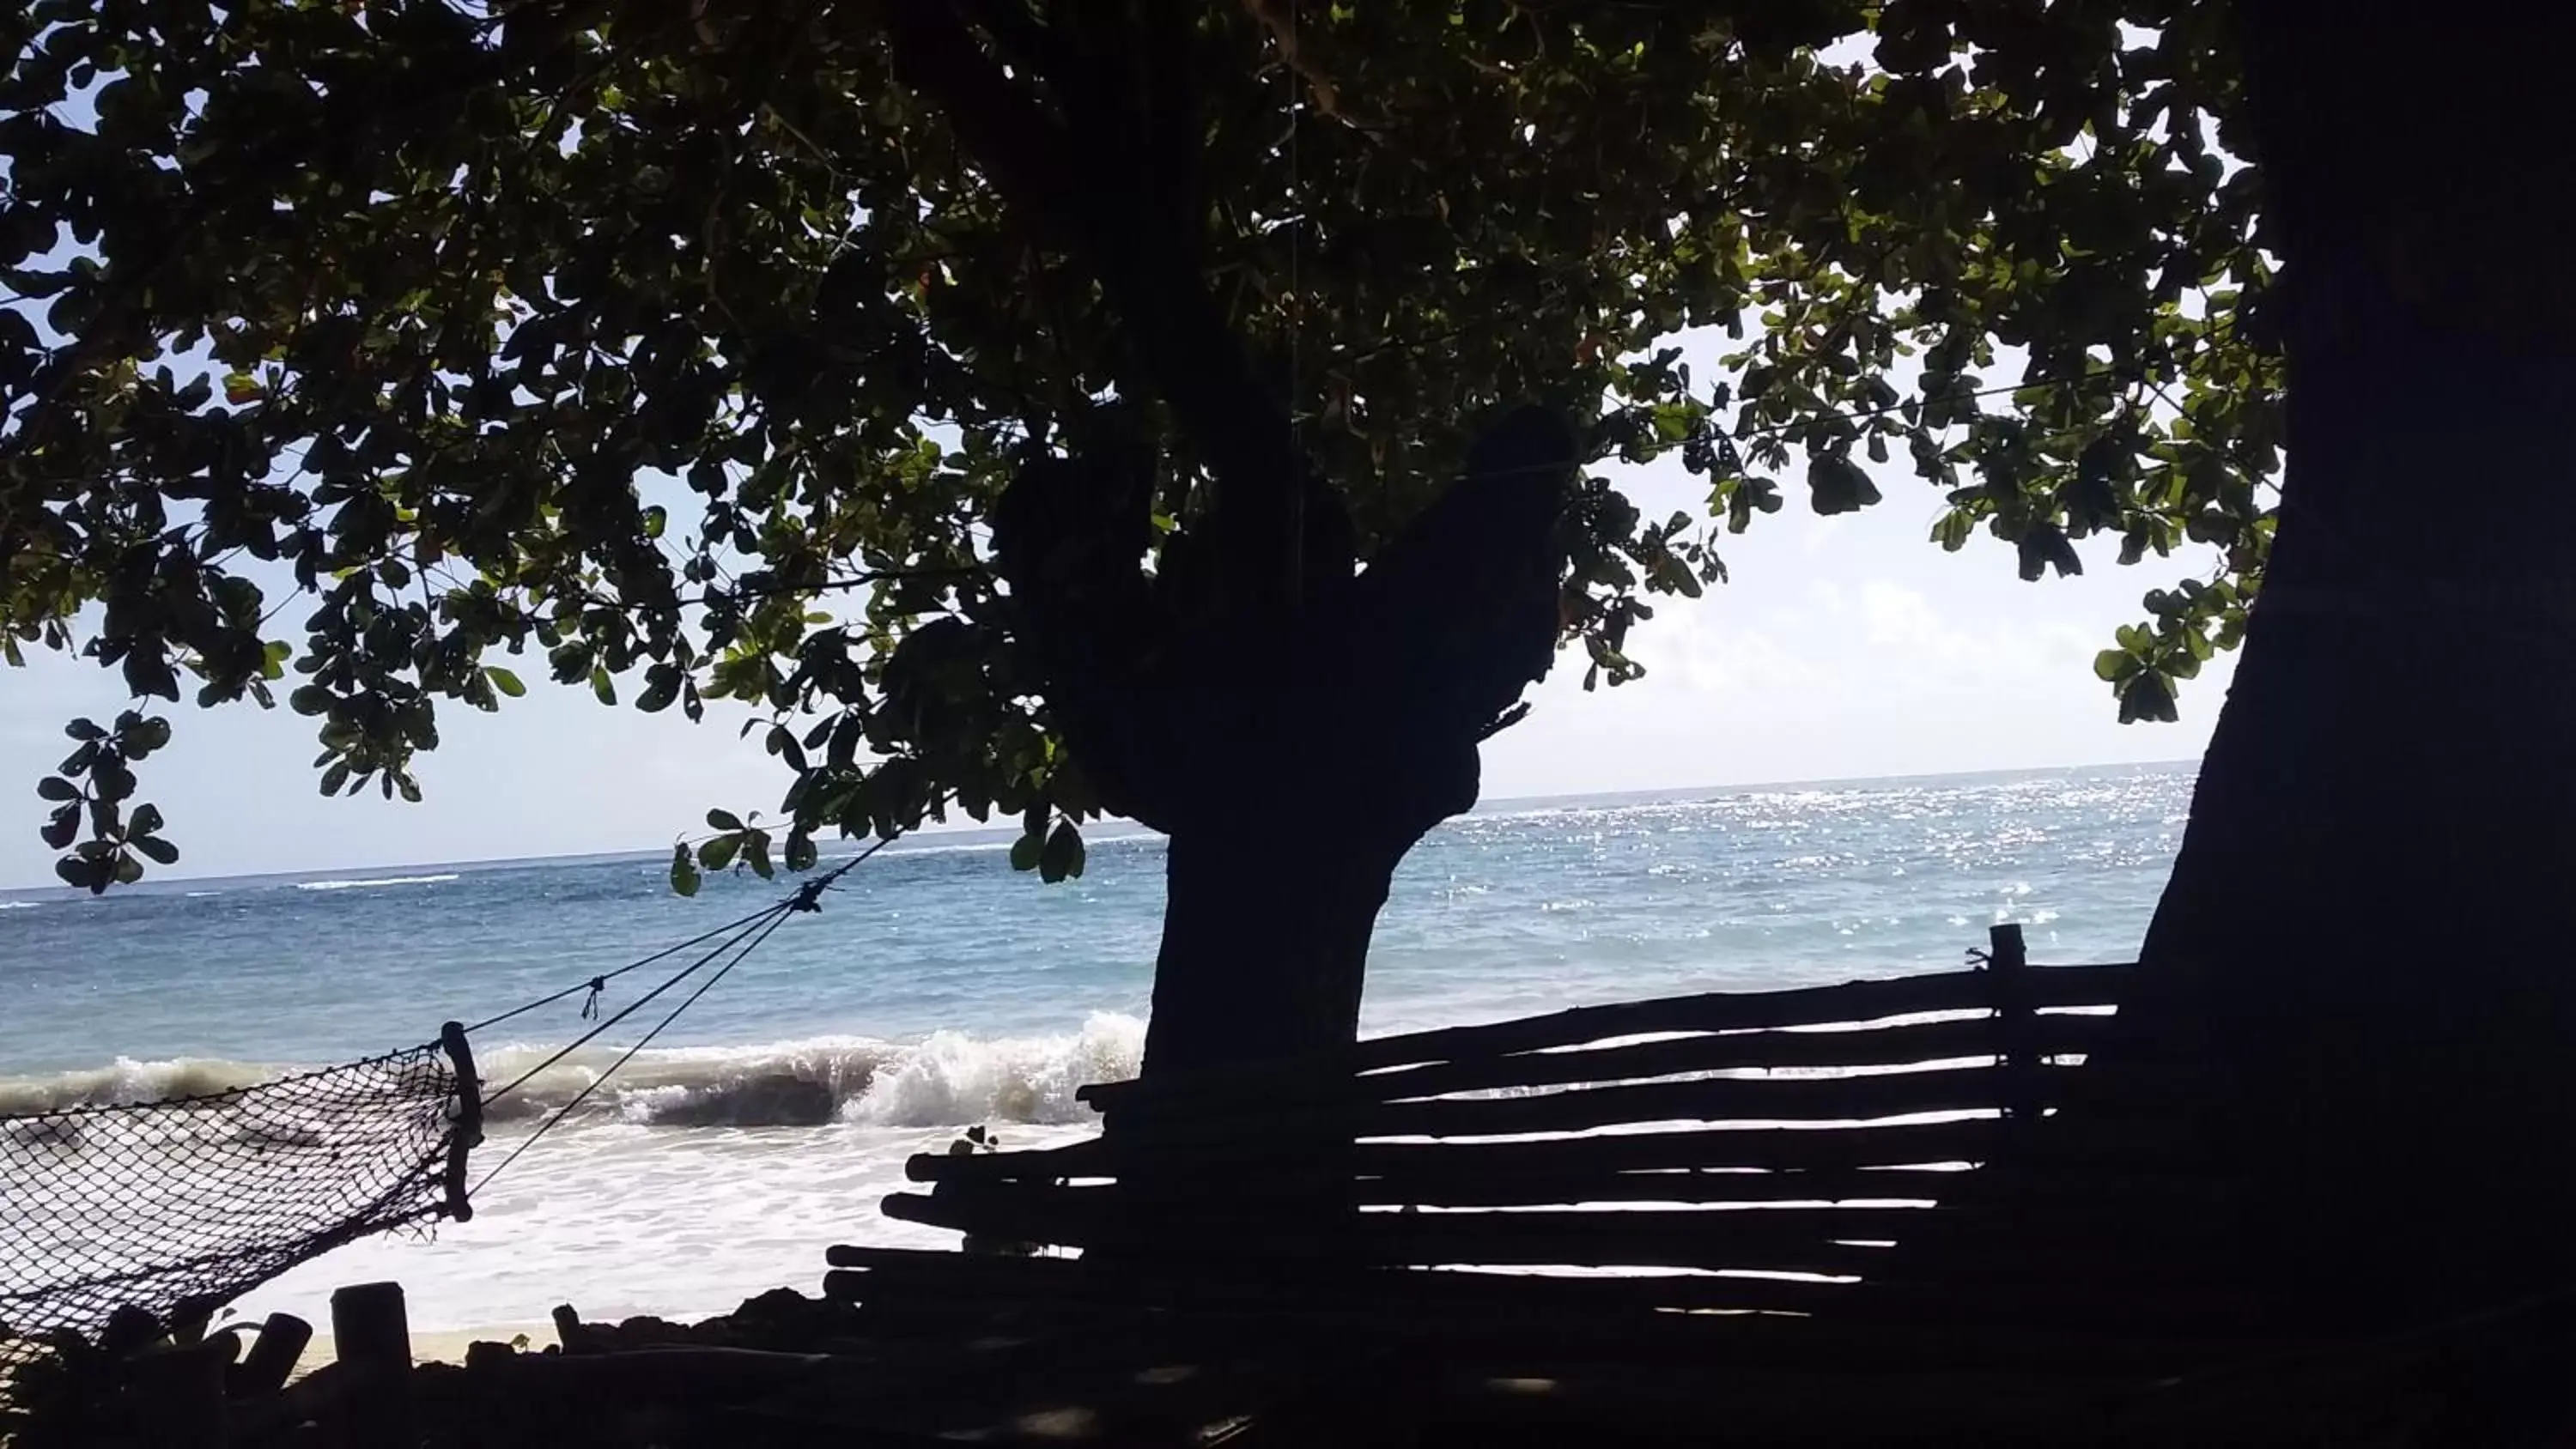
(600, 982)
(597, 984)
(746, 936)
(749, 925)
(778, 917)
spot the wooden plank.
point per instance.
(1899, 1045)
(2024, 1210)
(1078, 1159)
(1788, 1239)
(1852, 1099)
(1850, 1002)
(896, 1275)
(1675, 1185)
(1720, 1099)
(1693, 1316)
(1778, 1148)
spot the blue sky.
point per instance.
(1844, 647)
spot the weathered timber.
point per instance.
(371, 1336)
(1505, 1304)
(2025, 1092)
(1847, 1004)
(274, 1352)
(1900, 1044)
(1840, 1205)
(1807, 1240)
(1690, 1315)
(1778, 1148)
(1674, 1185)
(1718, 1099)
(178, 1396)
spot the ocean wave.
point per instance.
(930, 844)
(127, 1080)
(19, 905)
(946, 1079)
(390, 880)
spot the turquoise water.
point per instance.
(937, 988)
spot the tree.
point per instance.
(952, 316)
(2350, 936)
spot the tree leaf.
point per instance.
(161, 851)
(684, 872)
(717, 854)
(1061, 858)
(55, 787)
(723, 820)
(1839, 485)
(504, 681)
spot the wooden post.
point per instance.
(179, 1396)
(273, 1356)
(2008, 966)
(467, 1133)
(371, 1334)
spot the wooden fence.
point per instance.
(1808, 1151)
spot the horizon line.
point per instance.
(970, 827)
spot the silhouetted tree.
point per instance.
(631, 333)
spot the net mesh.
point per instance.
(178, 1206)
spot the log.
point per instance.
(274, 1353)
(371, 1336)
(1627, 1315)
(972, 1285)
(1796, 1239)
(178, 1396)
(639, 1375)
(1778, 1148)
(2035, 1085)
(1907, 1043)
(1719, 1099)
(1078, 1159)
(1849, 1003)
(1681, 1185)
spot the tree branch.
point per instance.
(1279, 530)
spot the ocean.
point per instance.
(938, 989)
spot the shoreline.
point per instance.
(436, 1345)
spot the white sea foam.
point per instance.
(390, 880)
(19, 905)
(127, 1080)
(949, 1078)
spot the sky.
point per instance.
(1843, 648)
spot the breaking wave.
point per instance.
(947, 1079)
(390, 880)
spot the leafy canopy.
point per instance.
(354, 350)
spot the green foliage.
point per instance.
(688, 343)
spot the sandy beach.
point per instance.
(438, 1345)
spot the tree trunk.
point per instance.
(1265, 939)
(2363, 929)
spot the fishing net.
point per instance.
(178, 1206)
